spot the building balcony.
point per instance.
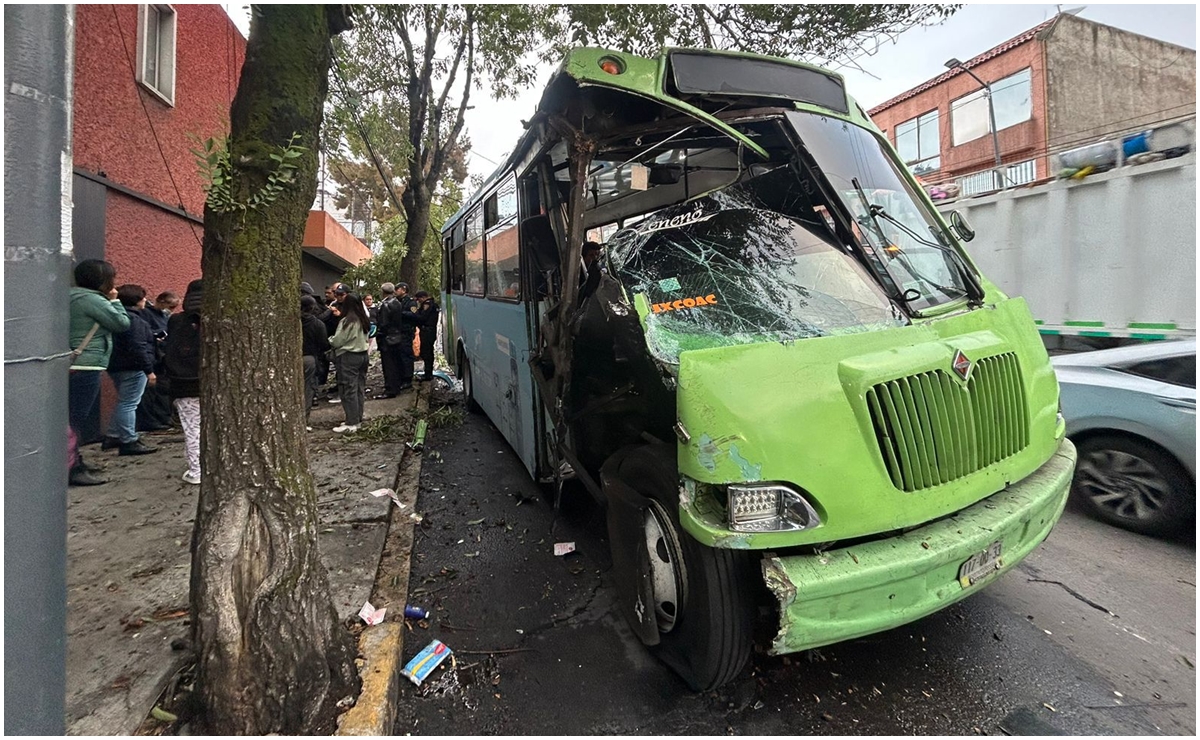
(328, 241)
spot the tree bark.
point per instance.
(417, 206)
(272, 657)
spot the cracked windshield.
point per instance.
(888, 219)
(756, 262)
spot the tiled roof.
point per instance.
(989, 54)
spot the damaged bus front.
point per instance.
(789, 385)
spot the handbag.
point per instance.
(87, 338)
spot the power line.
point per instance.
(145, 110)
(362, 131)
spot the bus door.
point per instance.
(503, 351)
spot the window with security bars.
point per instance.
(156, 50)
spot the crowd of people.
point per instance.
(151, 353)
(339, 332)
(114, 330)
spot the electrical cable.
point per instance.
(337, 67)
(153, 132)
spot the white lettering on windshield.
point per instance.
(686, 219)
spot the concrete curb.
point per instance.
(375, 712)
(382, 646)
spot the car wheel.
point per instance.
(1133, 485)
(468, 383)
(703, 602)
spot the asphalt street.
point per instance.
(1093, 634)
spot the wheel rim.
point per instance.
(665, 565)
(1122, 484)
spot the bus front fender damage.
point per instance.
(850, 592)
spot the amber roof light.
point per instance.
(612, 65)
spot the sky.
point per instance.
(914, 57)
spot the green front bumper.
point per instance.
(862, 589)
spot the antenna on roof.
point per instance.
(1071, 11)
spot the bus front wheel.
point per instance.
(468, 384)
(703, 602)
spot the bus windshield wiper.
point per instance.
(957, 259)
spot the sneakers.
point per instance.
(110, 443)
(345, 428)
(137, 447)
(382, 396)
(192, 478)
(335, 400)
(307, 428)
(81, 476)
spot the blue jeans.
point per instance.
(130, 386)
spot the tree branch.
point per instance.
(440, 159)
(698, 13)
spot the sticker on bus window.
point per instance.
(685, 304)
(670, 285)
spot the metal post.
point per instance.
(995, 136)
(987, 91)
(38, 66)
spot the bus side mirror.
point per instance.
(961, 226)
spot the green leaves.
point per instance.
(214, 159)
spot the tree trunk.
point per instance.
(417, 206)
(272, 657)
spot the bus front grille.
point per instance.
(932, 429)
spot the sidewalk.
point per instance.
(128, 559)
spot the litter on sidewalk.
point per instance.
(563, 548)
(371, 615)
(381, 492)
(423, 663)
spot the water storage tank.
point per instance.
(1092, 155)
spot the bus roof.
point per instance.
(685, 71)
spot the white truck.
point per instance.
(1103, 260)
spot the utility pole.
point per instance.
(38, 65)
(987, 93)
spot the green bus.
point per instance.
(784, 377)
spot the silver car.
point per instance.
(1131, 412)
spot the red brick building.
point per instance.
(149, 80)
(1060, 84)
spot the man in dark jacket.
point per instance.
(131, 368)
(388, 336)
(427, 316)
(409, 321)
(154, 412)
(316, 344)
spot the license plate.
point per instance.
(980, 565)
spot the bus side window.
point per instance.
(503, 258)
(458, 269)
(474, 272)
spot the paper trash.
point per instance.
(371, 615)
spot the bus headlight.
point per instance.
(769, 507)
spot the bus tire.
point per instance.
(708, 639)
(468, 384)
